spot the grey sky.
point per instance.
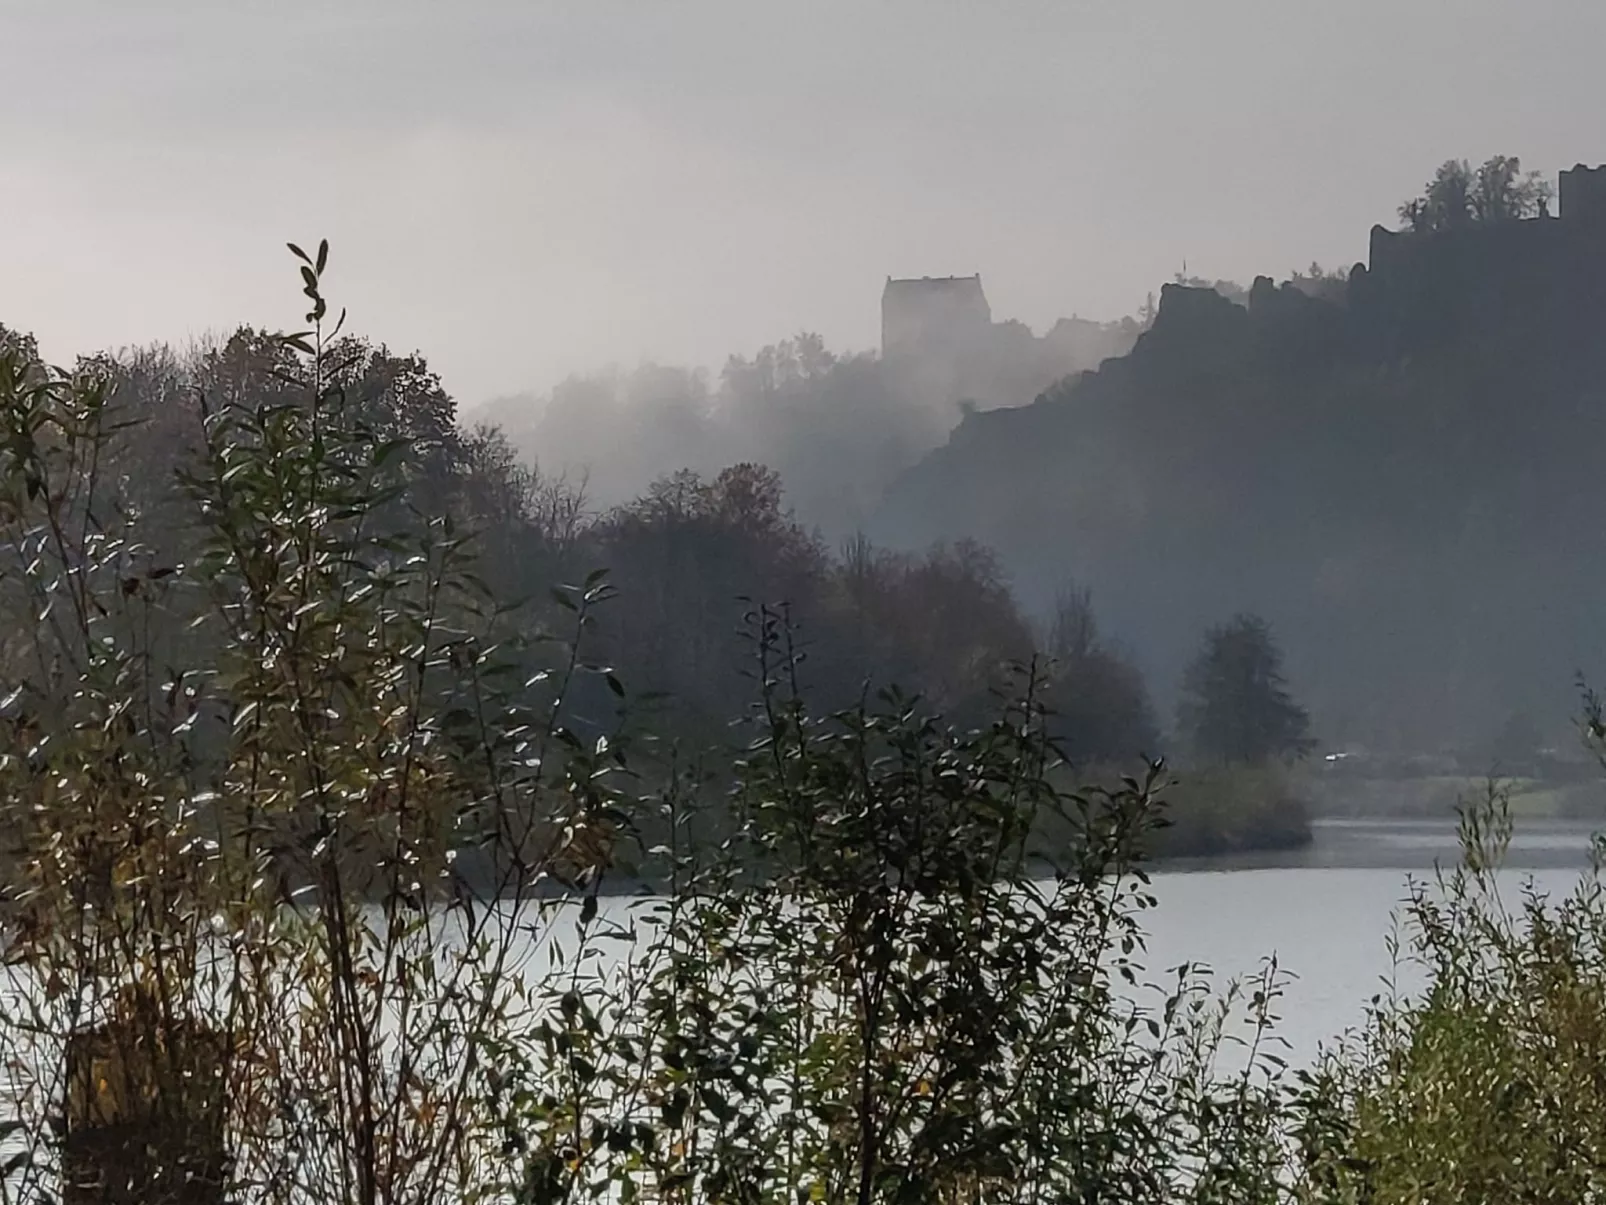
(528, 189)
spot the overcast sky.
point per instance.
(522, 190)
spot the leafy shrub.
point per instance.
(871, 991)
(1220, 810)
(1487, 1085)
(235, 790)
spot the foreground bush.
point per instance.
(873, 993)
(282, 847)
(1489, 1083)
(236, 793)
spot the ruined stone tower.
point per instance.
(931, 312)
(1581, 194)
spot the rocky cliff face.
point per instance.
(1403, 484)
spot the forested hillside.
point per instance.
(1393, 476)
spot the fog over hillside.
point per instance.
(1394, 474)
(532, 190)
(911, 261)
(837, 426)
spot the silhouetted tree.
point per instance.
(1099, 705)
(1235, 704)
(1446, 201)
(1502, 191)
(944, 622)
(834, 427)
(953, 615)
(689, 558)
(1497, 191)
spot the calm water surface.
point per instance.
(1326, 911)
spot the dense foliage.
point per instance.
(284, 817)
(306, 831)
(1498, 190)
(1236, 708)
(245, 794)
(683, 555)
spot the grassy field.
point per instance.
(1441, 794)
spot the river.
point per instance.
(1325, 911)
